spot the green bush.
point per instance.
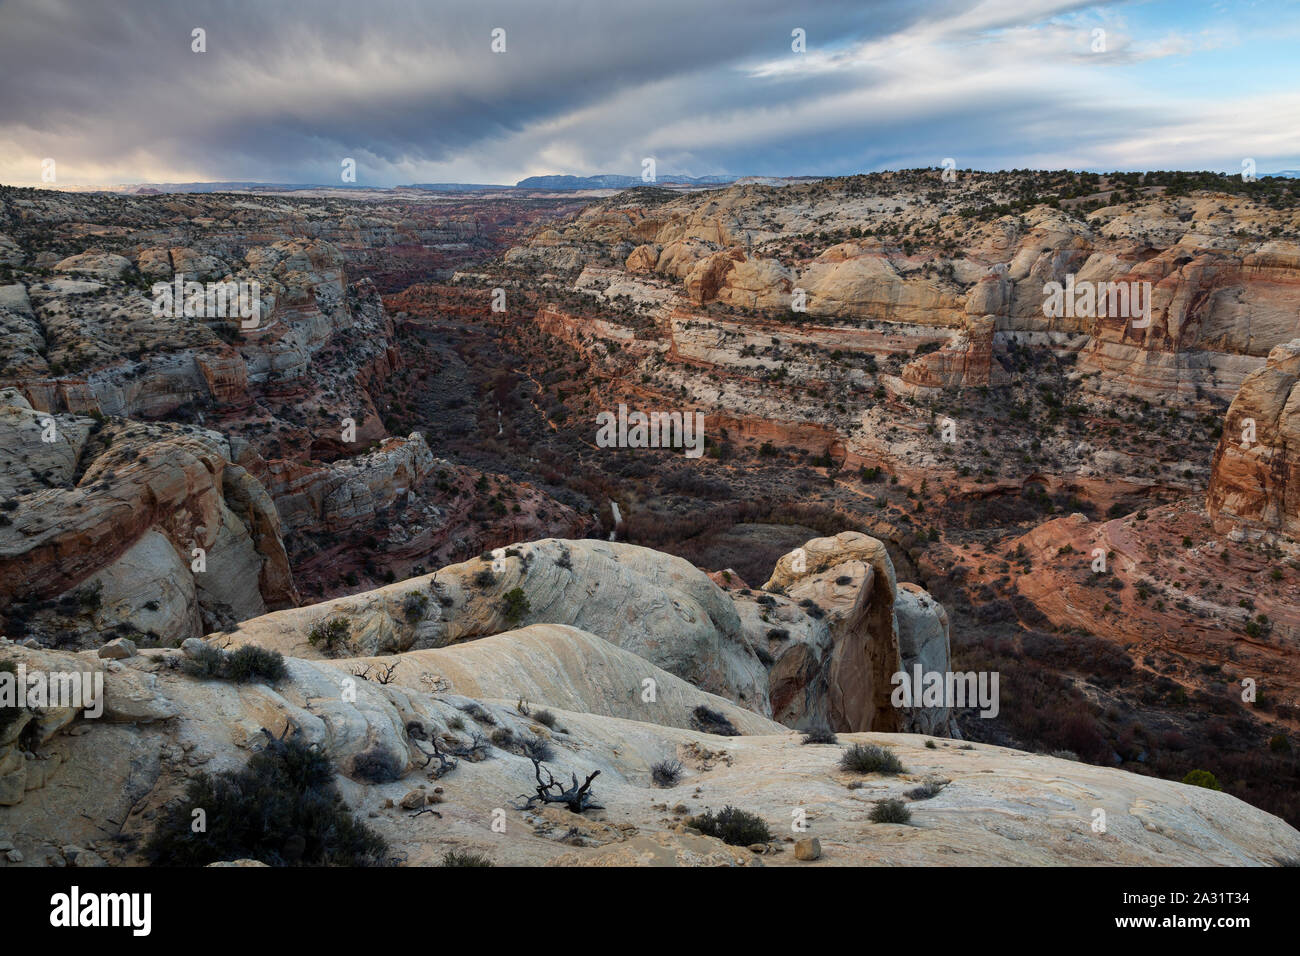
(868, 758)
(1202, 778)
(206, 663)
(891, 811)
(736, 827)
(282, 808)
(516, 605)
(331, 634)
(255, 663)
(413, 606)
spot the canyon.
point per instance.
(908, 461)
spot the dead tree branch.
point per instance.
(476, 749)
(576, 798)
(446, 763)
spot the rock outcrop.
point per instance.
(654, 605)
(816, 647)
(110, 522)
(1255, 485)
(923, 642)
(348, 493)
(95, 263)
(846, 582)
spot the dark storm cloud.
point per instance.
(413, 92)
(292, 87)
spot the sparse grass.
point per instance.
(891, 811)
(247, 663)
(666, 772)
(377, 765)
(545, 718)
(479, 713)
(537, 748)
(820, 735)
(927, 790)
(464, 858)
(868, 758)
(712, 722)
(732, 826)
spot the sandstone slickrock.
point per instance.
(999, 806)
(830, 663)
(655, 605)
(335, 496)
(1219, 301)
(554, 665)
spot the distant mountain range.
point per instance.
(553, 183)
(613, 181)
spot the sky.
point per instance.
(114, 92)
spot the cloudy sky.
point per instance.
(113, 91)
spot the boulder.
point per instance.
(809, 848)
(118, 649)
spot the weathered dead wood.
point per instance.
(576, 798)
